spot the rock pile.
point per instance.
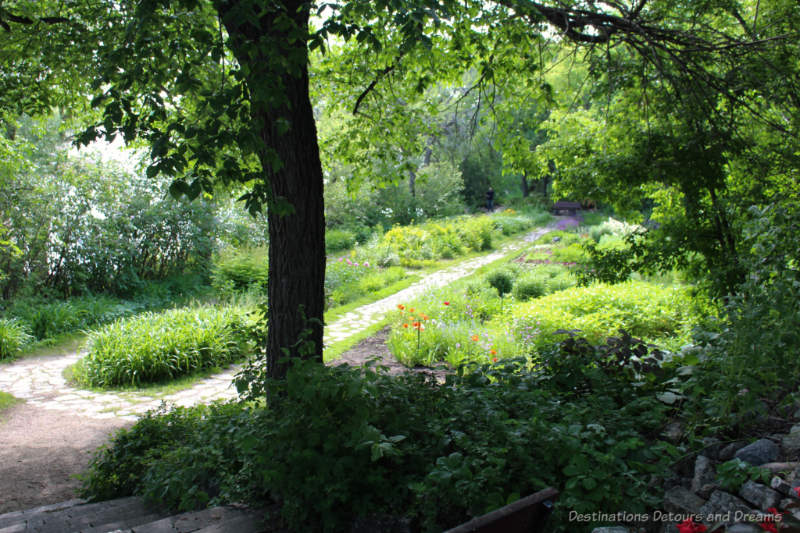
(696, 490)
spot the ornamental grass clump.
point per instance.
(156, 347)
(13, 338)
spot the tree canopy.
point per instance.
(219, 91)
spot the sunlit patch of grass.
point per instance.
(7, 401)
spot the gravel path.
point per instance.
(39, 380)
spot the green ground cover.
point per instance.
(155, 347)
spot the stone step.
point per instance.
(129, 515)
(7, 519)
(216, 519)
(88, 517)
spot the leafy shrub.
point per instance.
(754, 353)
(116, 470)
(502, 279)
(543, 280)
(409, 243)
(13, 338)
(337, 240)
(657, 314)
(414, 244)
(159, 346)
(239, 270)
(406, 446)
(476, 232)
(379, 253)
(598, 232)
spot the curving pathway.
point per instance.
(39, 380)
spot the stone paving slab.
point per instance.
(40, 382)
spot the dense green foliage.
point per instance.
(449, 238)
(78, 224)
(476, 324)
(48, 319)
(683, 115)
(755, 354)
(159, 346)
(543, 280)
(404, 446)
(13, 338)
(652, 312)
(239, 270)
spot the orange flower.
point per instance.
(424, 317)
(410, 309)
(475, 338)
(405, 325)
(493, 352)
(401, 306)
(494, 359)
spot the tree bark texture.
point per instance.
(283, 117)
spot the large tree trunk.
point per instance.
(297, 237)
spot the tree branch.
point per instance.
(4, 14)
(381, 74)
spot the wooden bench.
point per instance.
(562, 205)
(526, 515)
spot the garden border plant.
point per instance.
(153, 347)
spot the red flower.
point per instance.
(797, 491)
(689, 526)
(769, 526)
(769, 522)
(494, 359)
(447, 303)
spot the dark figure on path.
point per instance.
(490, 199)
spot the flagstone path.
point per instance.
(39, 380)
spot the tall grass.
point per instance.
(48, 319)
(13, 337)
(155, 347)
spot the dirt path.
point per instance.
(48, 439)
(41, 451)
